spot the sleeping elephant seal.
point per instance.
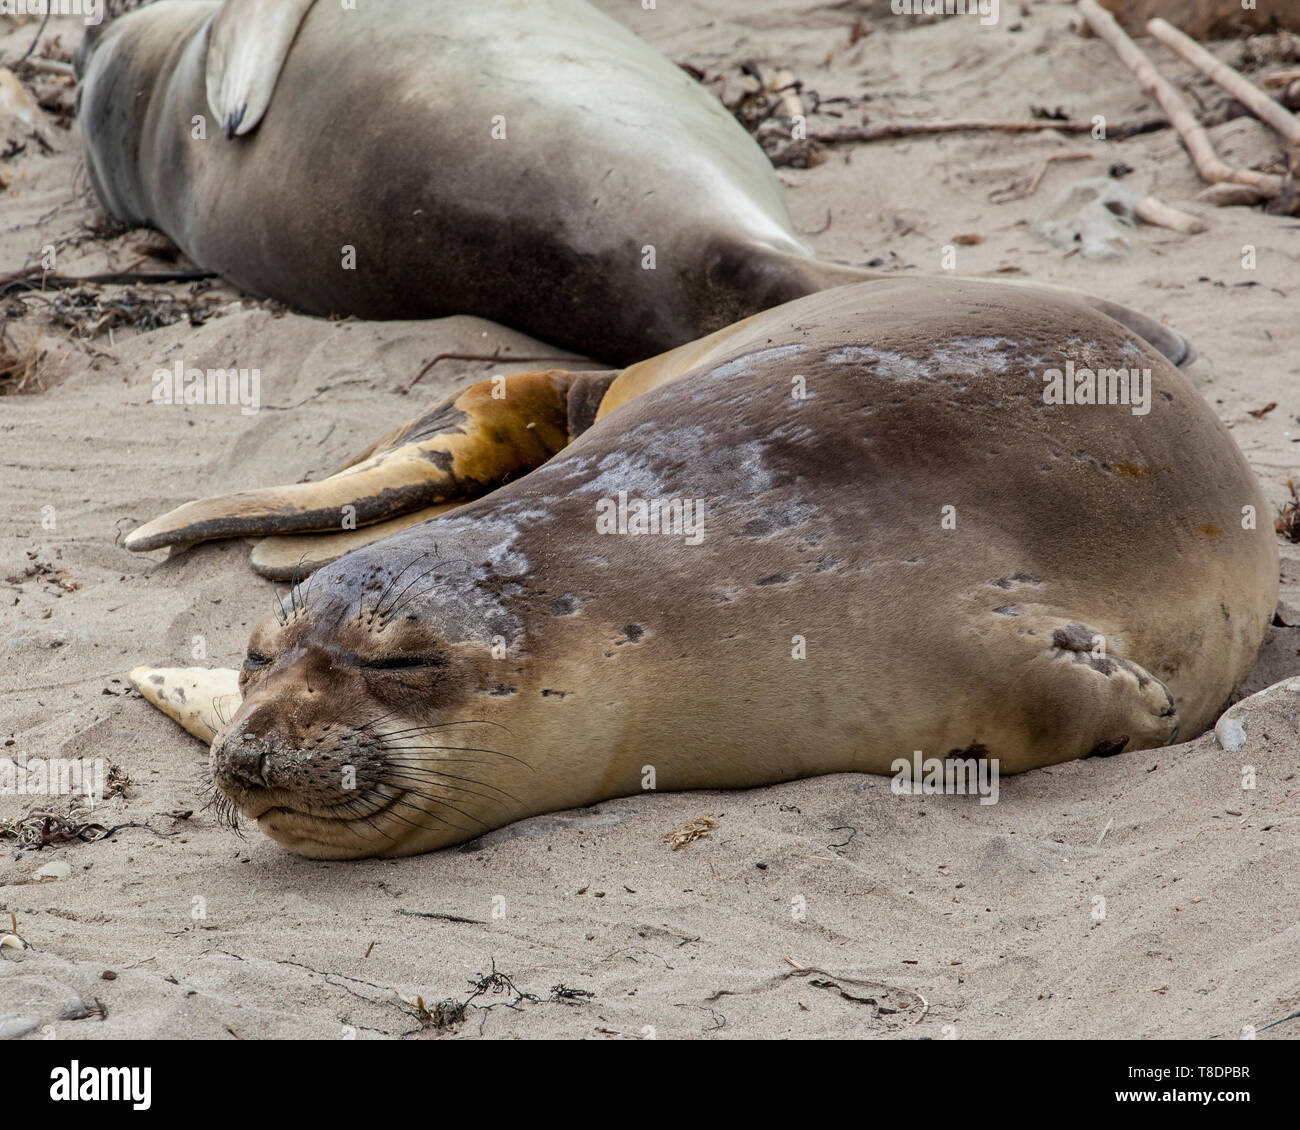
(527, 161)
(947, 516)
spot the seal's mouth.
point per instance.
(360, 826)
(262, 804)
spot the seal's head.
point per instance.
(361, 732)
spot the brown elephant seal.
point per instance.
(870, 522)
(528, 161)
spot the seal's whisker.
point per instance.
(392, 581)
(467, 749)
(446, 561)
(441, 819)
(306, 591)
(445, 804)
(420, 775)
(408, 790)
(222, 807)
(386, 810)
(440, 725)
(365, 819)
(281, 615)
(397, 607)
(378, 720)
(398, 597)
(219, 705)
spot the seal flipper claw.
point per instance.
(248, 43)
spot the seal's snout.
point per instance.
(243, 763)
(290, 752)
(248, 759)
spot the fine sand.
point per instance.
(1142, 895)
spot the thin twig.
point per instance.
(481, 357)
(49, 67)
(889, 131)
(37, 278)
(39, 32)
(1075, 155)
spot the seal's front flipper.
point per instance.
(201, 699)
(1058, 694)
(459, 450)
(248, 43)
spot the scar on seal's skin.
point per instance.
(1015, 579)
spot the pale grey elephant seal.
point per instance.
(844, 530)
(528, 161)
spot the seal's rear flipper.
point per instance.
(459, 450)
(817, 276)
(292, 557)
(1169, 342)
(248, 43)
(201, 699)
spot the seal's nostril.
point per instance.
(243, 762)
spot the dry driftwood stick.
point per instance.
(47, 66)
(1153, 211)
(1197, 142)
(1242, 89)
(891, 130)
(1229, 195)
(1281, 78)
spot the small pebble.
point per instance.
(1231, 734)
(55, 869)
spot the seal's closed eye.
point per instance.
(400, 662)
(256, 659)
